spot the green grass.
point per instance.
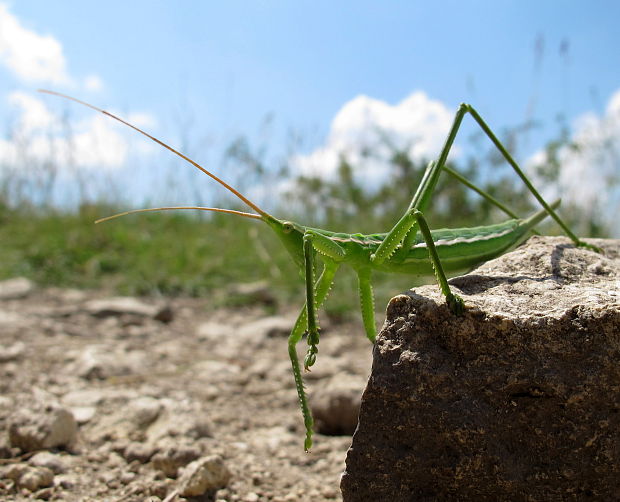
(167, 253)
(172, 254)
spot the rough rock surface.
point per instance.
(518, 399)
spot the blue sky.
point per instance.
(200, 73)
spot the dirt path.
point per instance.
(143, 400)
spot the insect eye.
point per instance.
(287, 227)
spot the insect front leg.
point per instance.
(332, 251)
(321, 291)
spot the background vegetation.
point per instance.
(205, 254)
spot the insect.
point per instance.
(410, 247)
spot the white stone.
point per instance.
(203, 475)
(13, 289)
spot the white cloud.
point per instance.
(93, 83)
(590, 168)
(35, 58)
(417, 124)
(30, 56)
(39, 136)
(32, 113)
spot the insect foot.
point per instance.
(310, 358)
(591, 247)
(313, 350)
(456, 304)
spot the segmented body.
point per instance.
(460, 249)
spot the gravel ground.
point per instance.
(136, 399)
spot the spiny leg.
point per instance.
(422, 196)
(332, 254)
(322, 287)
(498, 144)
(401, 253)
(331, 251)
(487, 196)
(455, 302)
(313, 324)
(367, 303)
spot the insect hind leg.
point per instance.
(498, 144)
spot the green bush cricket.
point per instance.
(410, 247)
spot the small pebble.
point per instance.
(203, 475)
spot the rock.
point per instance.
(252, 292)
(170, 458)
(517, 399)
(204, 475)
(25, 476)
(215, 371)
(42, 427)
(13, 289)
(142, 452)
(36, 478)
(211, 331)
(83, 403)
(12, 353)
(336, 407)
(122, 305)
(51, 461)
(97, 362)
(144, 410)
(165, 315)
(83, 414)
(83, 397)
(13, 319)
(179, 419)
(266, 327)
(44, 493)
(272, 439)
(13, 471)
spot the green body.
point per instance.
(460, 249)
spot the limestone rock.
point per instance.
(97, 362)
(12, 289)
(142, 452)
(127, 305)
(518, 399)
(171, 457)
(54, 462)
(42, 427)
(12, 352)
(204, 475)
(25, 476)
(252, 292)
(265, 327)
(336, 407)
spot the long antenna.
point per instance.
(216, 209)
(168, 147)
